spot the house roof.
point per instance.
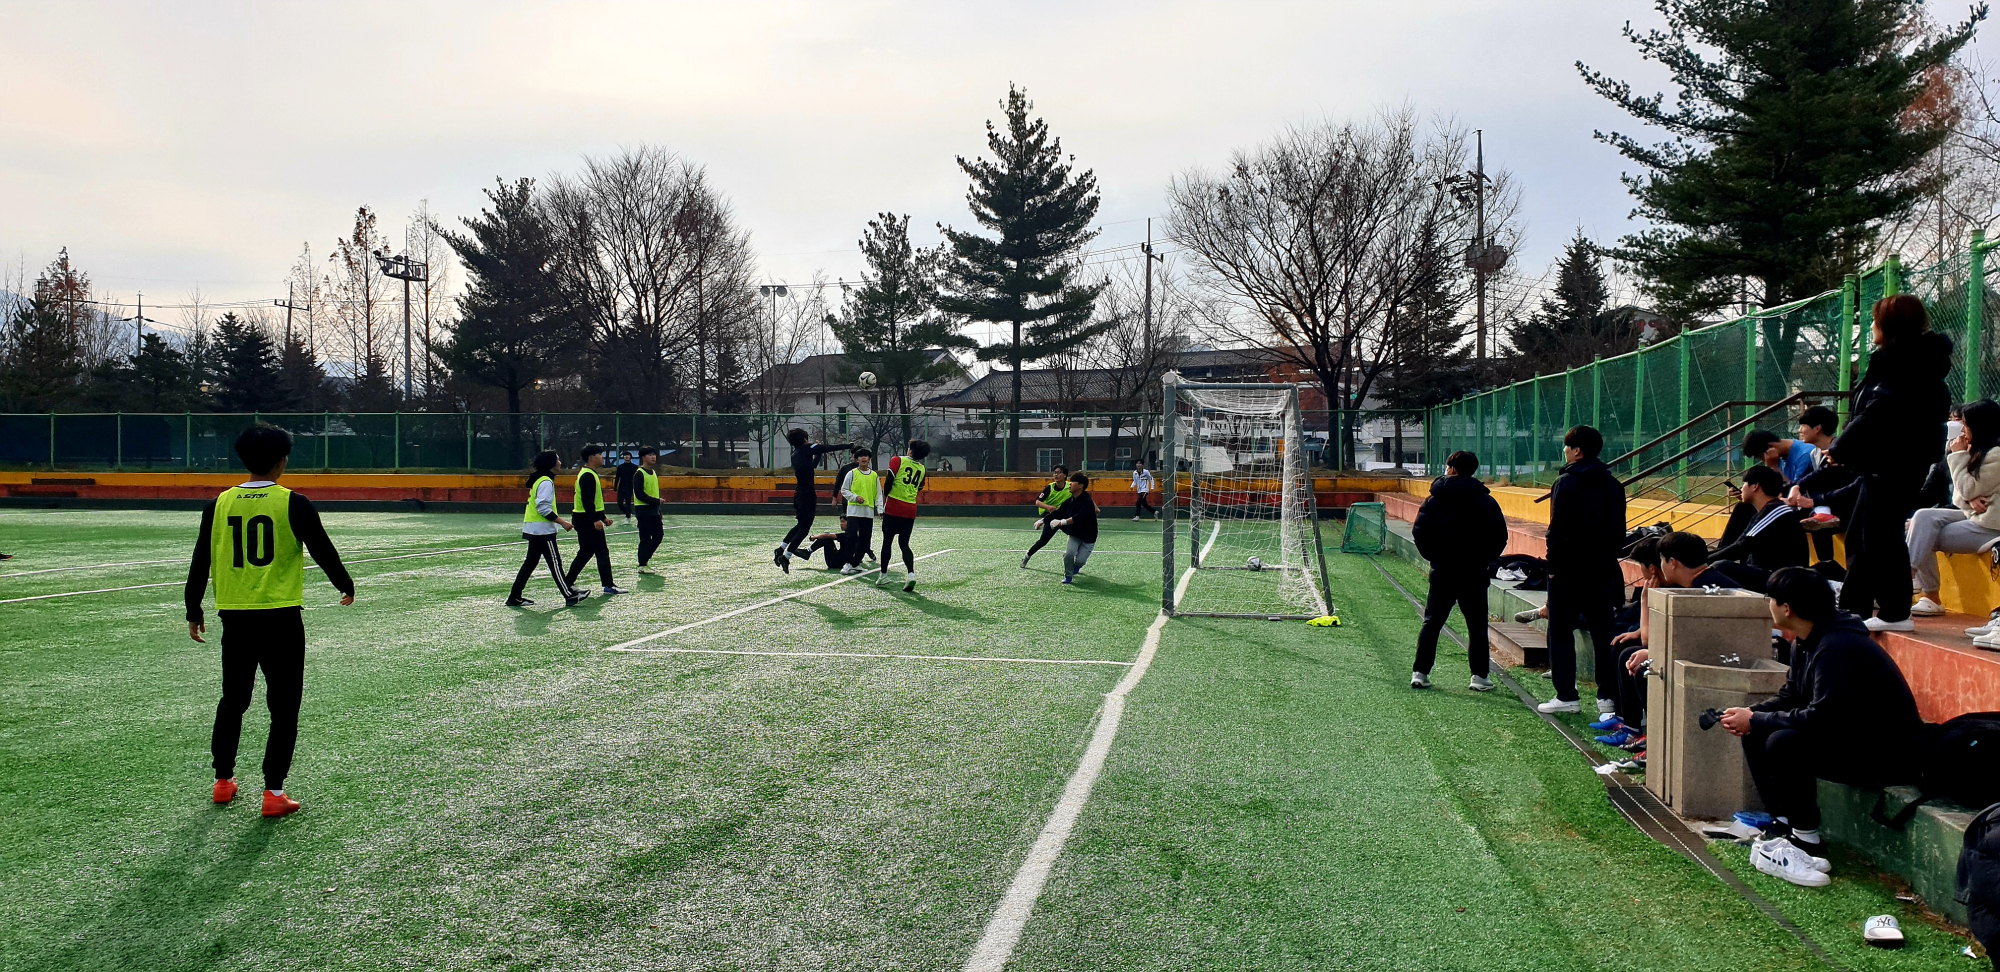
(1051, 387)
(814, 371)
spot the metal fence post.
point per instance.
(119, 461)
(187, 440)
(1535, 432)
(1638, 404)
(694, 445)
(468, 441)
(325, 440)
(1892, 276)
(1850, 293)
(1681, 444)
(52, 442)
(396, 440)
(1751, 326)
(1974, 352)
(1596, 394)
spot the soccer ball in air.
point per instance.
(866, 379)
(1256, 563)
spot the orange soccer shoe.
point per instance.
(225, 791)
(278, 804)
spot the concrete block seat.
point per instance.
(1923, 851)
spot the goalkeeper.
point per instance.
(1079, 520)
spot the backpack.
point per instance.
(1962, 762)
(1979, 878)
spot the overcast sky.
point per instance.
(175, 144)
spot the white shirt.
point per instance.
(1142, 480)
(545, 504)
(854, 505)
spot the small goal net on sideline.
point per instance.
(1239, 504)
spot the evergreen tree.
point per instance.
(158, 379)
(1022, 278)
(890, 325)
(1574, 324)
(512, 329)
(247, 377)
(42, 364)
(1791, 142)
(301, 373)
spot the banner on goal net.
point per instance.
(1239, 509)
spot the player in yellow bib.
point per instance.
(1049, 504)
(253, 542)
(539, 521)
(586, 510)
(904, 478)
(646, 495)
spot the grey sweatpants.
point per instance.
(1075, 556)
(1936, 531)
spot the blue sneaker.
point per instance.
(1610, 723)
(1066, 580)
(1619, 738)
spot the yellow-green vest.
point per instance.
(648, 482)
(866, 483)
(532, 515)
(909, 479)
(257, 562)
(586, 479)
(1058, 495)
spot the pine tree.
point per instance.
(1791, 143)
(157, 379)
(1574, 324)
(42, 366)
(890, 325)
(247, 378)
(1023, 277)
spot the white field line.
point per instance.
(1003, 930)
(860, 654)
(624, 645)
(58, 570)
(183, 583)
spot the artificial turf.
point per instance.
(489, 789)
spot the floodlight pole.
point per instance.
(405, 269)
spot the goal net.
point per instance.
(1240, 507)
(1367, 529)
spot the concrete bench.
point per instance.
(1924, 851)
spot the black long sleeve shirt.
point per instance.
(1081, 512)
(1845, 688)
(305, 524)
(805, 461)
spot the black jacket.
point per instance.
(1081, 511)
(1844, 689)
(1899, 409)
(1586, 521)
(1460, 528)
(1779, 541)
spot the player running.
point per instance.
(646, 495)
(1054, 494)
(899, 509)
(805, 495)
(586, 509)
(253, 538)
(1079, 520)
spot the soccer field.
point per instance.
(490, 788)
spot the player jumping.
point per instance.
(805, 495)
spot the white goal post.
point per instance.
(1235, 471)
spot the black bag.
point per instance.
(1979, 878)
(1962, 761)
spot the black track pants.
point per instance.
(275, 641)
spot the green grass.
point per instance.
(487, 789)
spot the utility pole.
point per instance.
(1479, 233)
(405, 269)
(139, 322)
(1147, 249)
(289, 308)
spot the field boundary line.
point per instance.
(1003, 930)
(863, 654)
(58, 570)
(677, 629)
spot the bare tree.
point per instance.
(360, 298)
(1326, 240)
(431, 304)
(1134, 353)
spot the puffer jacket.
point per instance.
(1460, 528)
(1899, 409)
(1965, 486)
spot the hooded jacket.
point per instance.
(1899, 409)
(1460, 528)
(1586, 522)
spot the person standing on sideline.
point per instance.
(1142, 491)
(645, 486)
(623, 482)
(1079, 520)
(1049, 504)
(252, 541)
(862, 490)
(538, 527)
(1586, 534)
(1894, 436)
(1461, 531)
(899, 509)
(586, 509)
(805, 495)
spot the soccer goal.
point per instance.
(1236, 478)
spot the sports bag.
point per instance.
(1963, 761)
(1979, 878)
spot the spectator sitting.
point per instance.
(1973, 521)
(1772, 539)
(1626, 726)
(1817, 426)
(1792, 458)
(1684, 563)
(1936, 494)
(1845, 714)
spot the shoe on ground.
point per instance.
(644, 569)
(1530, 616)
(1419, 680)
(850, 570)
(881, 577)
(1069, 578)
(909, 583)
(1024, 563)
(1637, 744)
(613, 590)
(1927, 608)
(1618, 738)
(518, 602)
(1981, 631)
(1481, 683)
(1882, 931)
(278, 804)
(1135, 519)
(1990, 642)
(1609, 723)
(1877, 624)
(1814, 850)
(1607, 707)
(225, 791)
(1779, 858)
(1556, 706)
(1820, 521)
(575, 599)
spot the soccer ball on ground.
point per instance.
(866, 379)
(1256, 563)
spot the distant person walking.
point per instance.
(1461, 531)
(1586, 535)
(539, 521)
(623, 479)
(1142, 491)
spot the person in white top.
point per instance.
(862, 489)
(1142, 489)
(538, 526)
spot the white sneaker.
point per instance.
(1990, 642)
(1554, 706)
(1419, 680)
(1780, 859)
(1481, 683)
(1877, 624)
(1927, 608)
(643, 569)
(1980, 631)
(1135, 519)
(850, 570)
(882, 577)
(1530, 616)
(1607, 706)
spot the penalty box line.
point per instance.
(1003, 930)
